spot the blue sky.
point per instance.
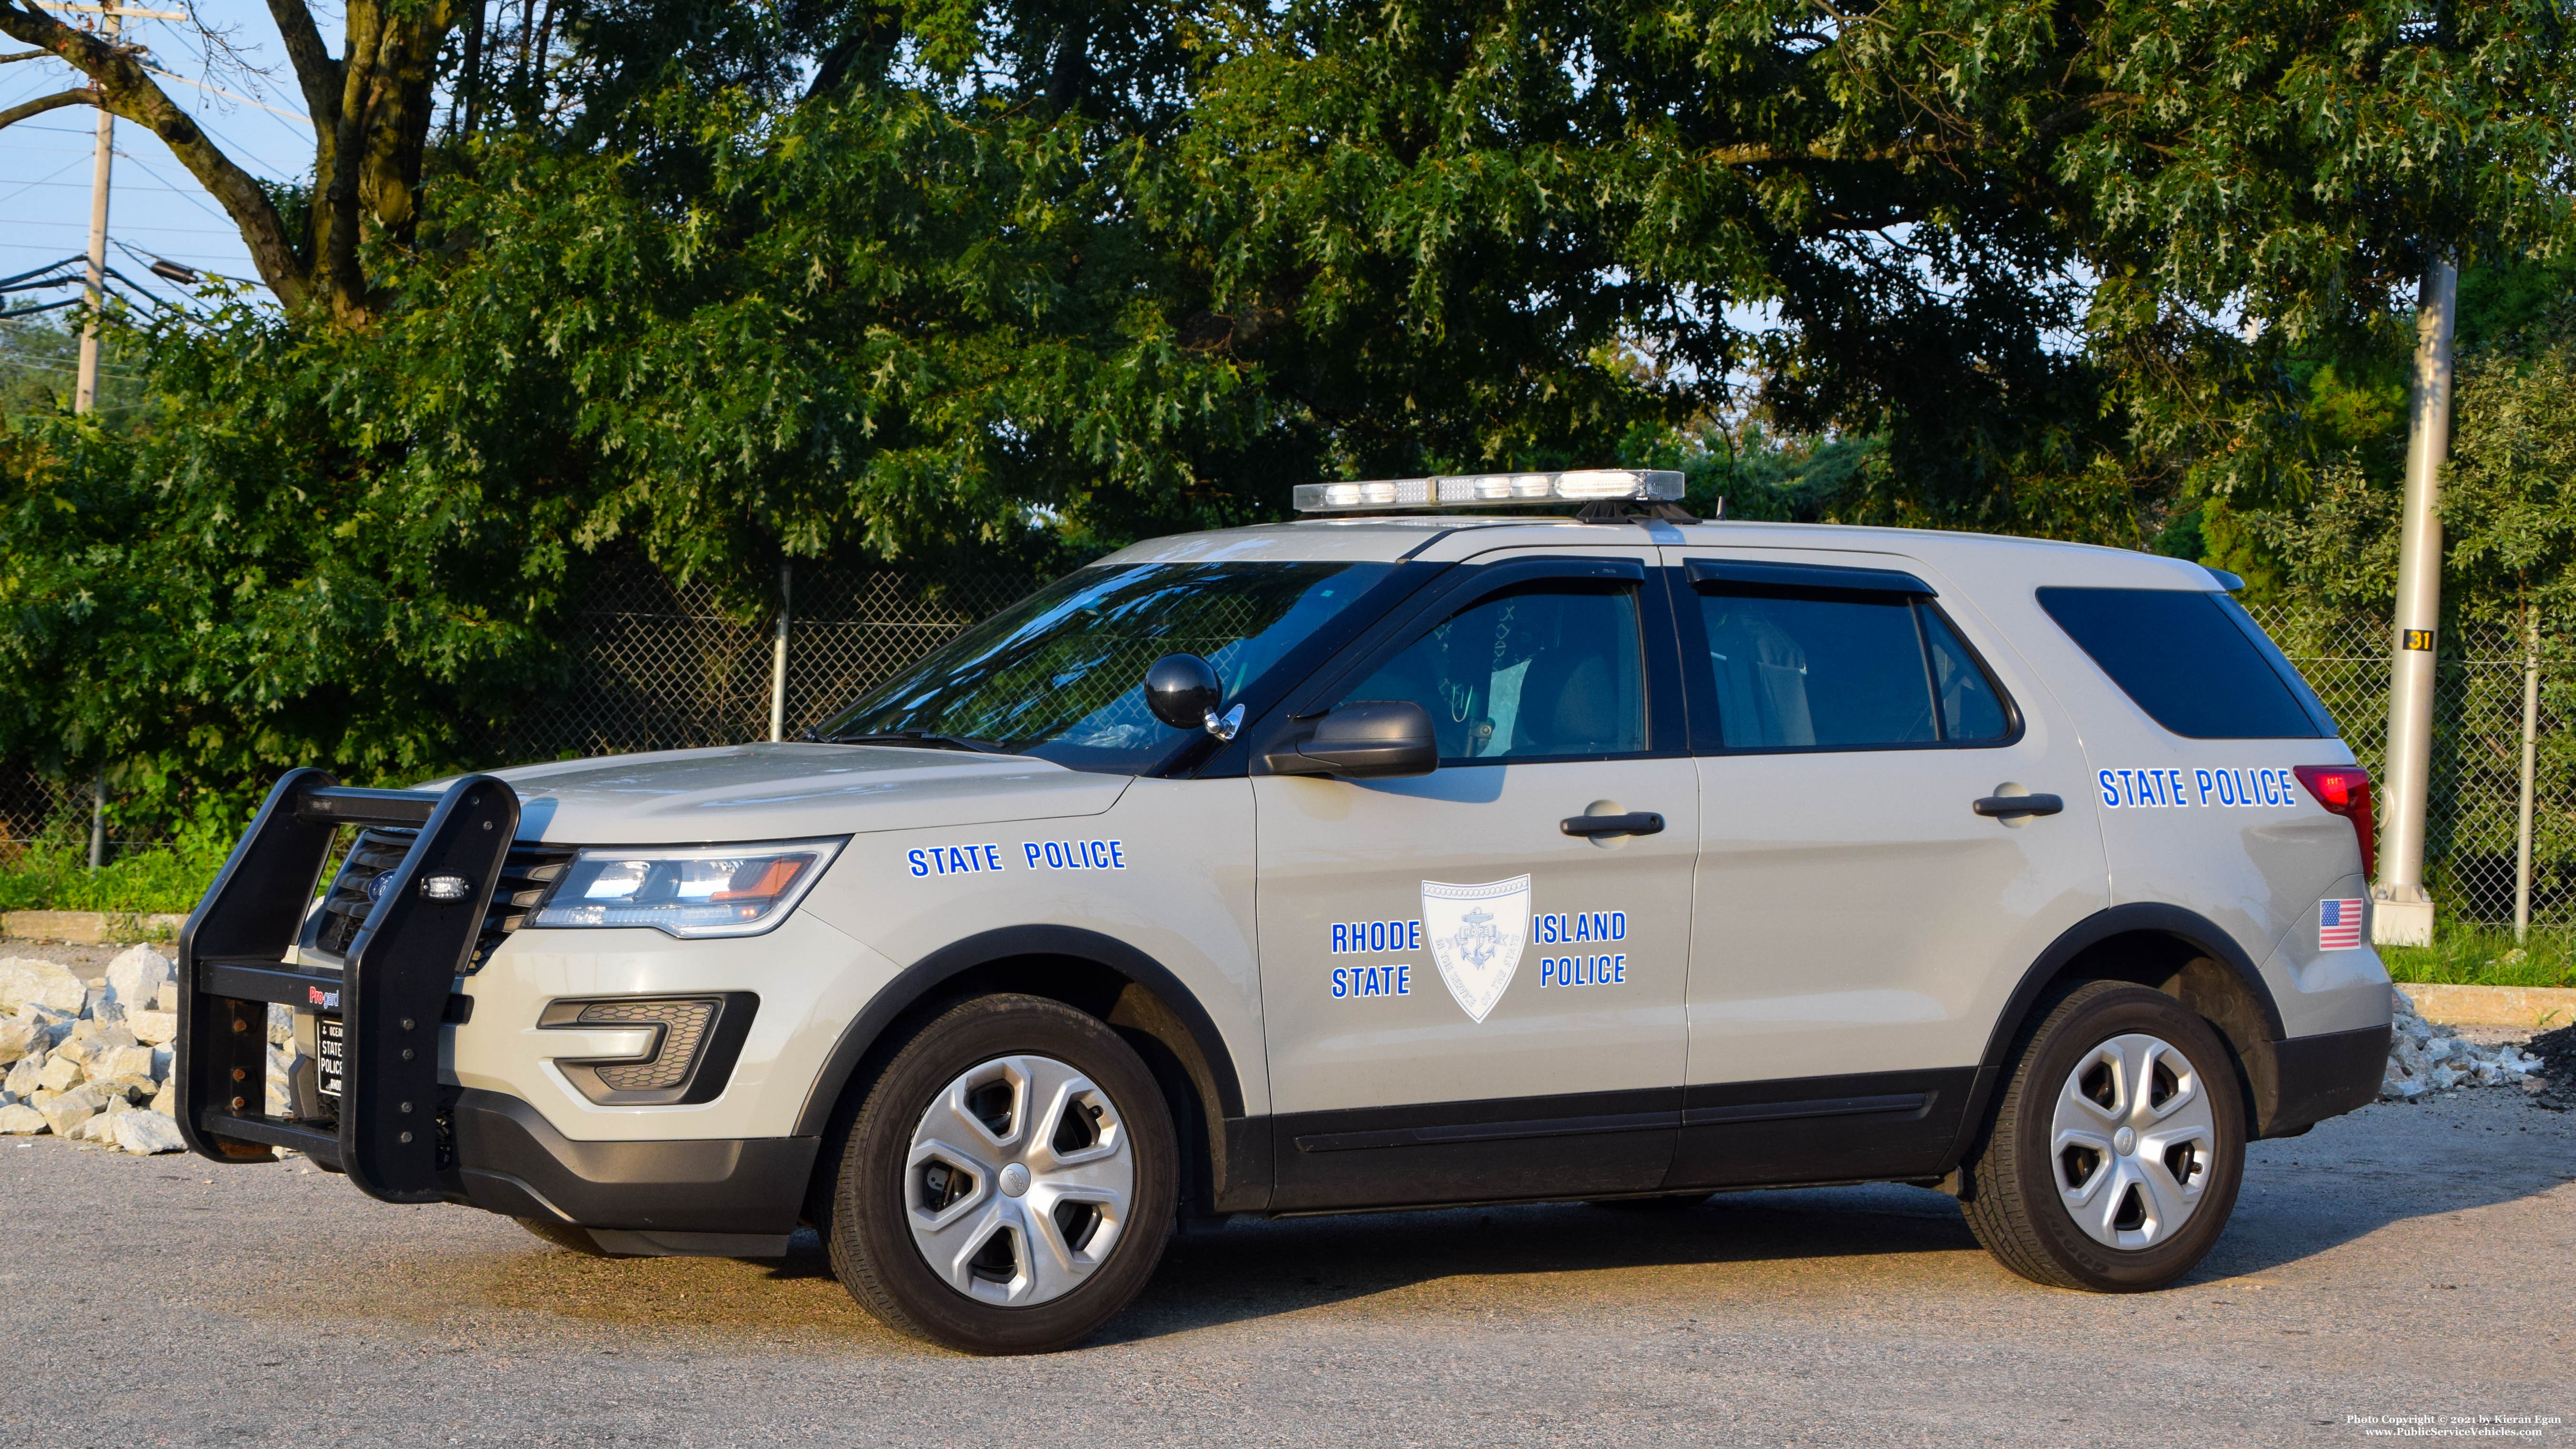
(156, 207)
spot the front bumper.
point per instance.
(731, 1196)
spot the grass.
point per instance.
(56, 877)
(2483, 956)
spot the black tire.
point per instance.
(871, 1241)
(2015, 1204)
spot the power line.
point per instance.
(66, 166)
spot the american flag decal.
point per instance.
(2338, 925)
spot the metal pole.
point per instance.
(98, 820)
(2530, 752)
(2404, 914)
(85, 390)
(778, 657)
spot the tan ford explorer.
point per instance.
(1411, 854)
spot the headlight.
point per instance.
(686, 890)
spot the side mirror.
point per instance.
(1182, 690)
(1366, 739)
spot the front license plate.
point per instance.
(328, 1061)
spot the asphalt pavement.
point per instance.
(2410, 1260)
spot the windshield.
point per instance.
(1061, 674)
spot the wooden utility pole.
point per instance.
(102, 161)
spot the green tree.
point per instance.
(726, 283)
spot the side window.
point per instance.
(1552, 669)
(1827, 670)
(2190, 663)
(1970, 708)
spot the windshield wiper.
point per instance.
(923, 739)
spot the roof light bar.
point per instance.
(1486, 490)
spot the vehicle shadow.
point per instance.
(2302, 1197)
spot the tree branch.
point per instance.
(42, 104)
(126, 90)
(24, 55)
(315, 70)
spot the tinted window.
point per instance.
(2188, 662)
(1970, 708)
(1817, 670)
(1061, 674)
(1549, 670)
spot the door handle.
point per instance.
(1635, 822)
(2001, 807)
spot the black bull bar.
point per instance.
(392, 992)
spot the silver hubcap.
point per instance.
(1018, 1181)
(2133, 1141)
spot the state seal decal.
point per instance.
(1476, 933)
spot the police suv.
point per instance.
(1394, 857)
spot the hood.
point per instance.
(786, 791)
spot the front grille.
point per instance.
(525, 877)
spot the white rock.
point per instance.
(2426, 1057)
(71, 1109)
(18, 1038)
(124, 1061)
(162, 1057)
(168, 1000)
(145, 1133)
(21, 1121)
(166, 1101)
(129, 1089)
(57, 1025)
(25, 1077)
(105, 1033)
(25, 978)
(281, 1025)
(61, 1073)
(97, 1127)
(157, 1028)
(135, 976)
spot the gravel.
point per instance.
(2398, 1261)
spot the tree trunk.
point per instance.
(370, 113)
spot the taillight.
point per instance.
(2345, 790)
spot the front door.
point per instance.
(1859, 922)
(1466, 995)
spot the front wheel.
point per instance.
(1010, 1182)
(2115, 1154)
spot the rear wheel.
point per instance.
(1010, 1182)
(2115, 1154)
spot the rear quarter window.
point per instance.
(2196, 662)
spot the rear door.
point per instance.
(1858, 921)
(1463, 999)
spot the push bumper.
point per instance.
(2316, 1077)
(394, 991)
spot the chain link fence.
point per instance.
(658, 666)
(2484, 678)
